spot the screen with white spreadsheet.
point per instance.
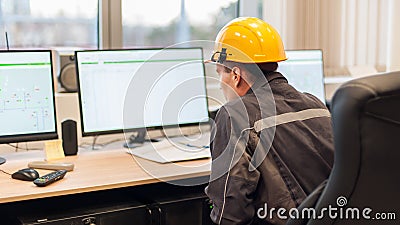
(140, 88)
(304, 70)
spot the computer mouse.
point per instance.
(27, 174)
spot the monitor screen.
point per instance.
(304, 71)
(140, 88)
(27, 109)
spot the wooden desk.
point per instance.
(94, 171)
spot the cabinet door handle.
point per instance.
(160, 212)
(155, 215)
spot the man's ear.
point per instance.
(236, 75)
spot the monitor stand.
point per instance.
(2, 160)
(136, 140)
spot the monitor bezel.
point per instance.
(323, 65)
(135, 129)
(6, 139)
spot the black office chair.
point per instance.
(366, 171)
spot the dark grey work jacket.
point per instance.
(257, 166)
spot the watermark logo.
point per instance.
(332, 212)
(341, 201)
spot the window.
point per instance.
(164, 23)
(49, 23)
(170, 23)
(74, 24)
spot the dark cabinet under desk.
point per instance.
(152, 204)
(182, 212)
(121, 215)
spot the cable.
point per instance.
(229, 169)
(5, 172)
(7, 43)
(86, 145)
(112, 141)
(26, 148)
(193, 146)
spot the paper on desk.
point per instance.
(54, 150)
(173, 150)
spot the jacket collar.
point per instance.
(268, 78)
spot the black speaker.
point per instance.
(67, 76)
(69, 137)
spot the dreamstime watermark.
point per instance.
(333, 212)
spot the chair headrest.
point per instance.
(352, 97)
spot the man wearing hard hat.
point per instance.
(271, 145)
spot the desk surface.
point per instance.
(94, 171)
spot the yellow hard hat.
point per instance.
(248, 40)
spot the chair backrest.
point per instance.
(366, 171)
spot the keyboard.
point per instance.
(175, 149)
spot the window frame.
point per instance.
(110, 21)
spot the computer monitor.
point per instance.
(132, 89)
(27, 103)
(304, 71)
